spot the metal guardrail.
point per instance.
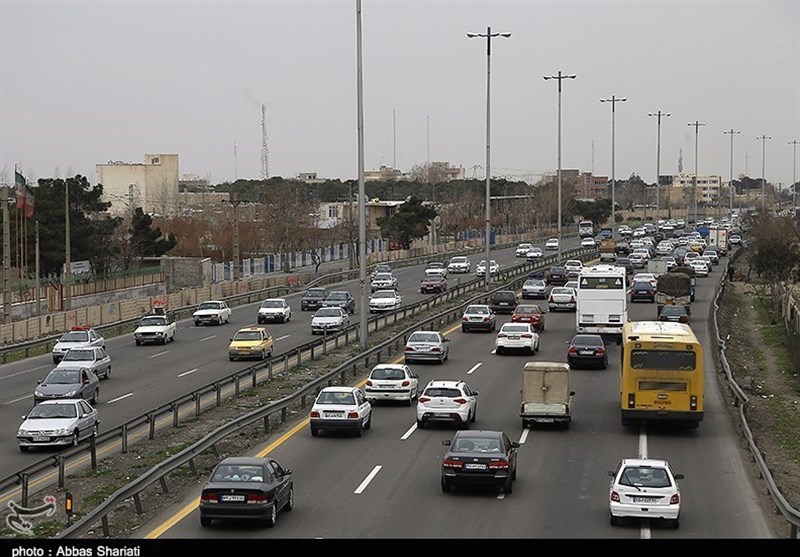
(119, 327)
(741, 401)
(349, 368)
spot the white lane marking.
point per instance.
(283, 337)
(27, 371)
(207, 338)
(18, 399)
(187, 372)
(368, 479)
(158, 354)
(493, 351)
(644, 532)
(408, 433)
(119, 398)
(524, 436)
(476, 366)
(501, 496)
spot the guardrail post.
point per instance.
(299, 358)
(192, 466)
(163, 481)
(286, 363)
(196, 397)
(215, 450)
(254, 375)
(124, 438)
(104, 521)
(269, 370)
(312, 348)
(137, 502)
(793, 531)
(266, 424)
(152, 419)
(61, 472)
(236, 385)
(93, 451)
(24, 489)
(343, 376)
(174, 414)
(283, 415)
(218, 391)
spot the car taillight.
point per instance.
(693, 402)
(460, 400)
(465, 318)
(436, 349)
(452, 463)
(423, 399)
(526, 335)
(405, 383)
(208, 497)
(615, 496)
(600, 351)
(369, 383)
(501, 335)
(572, 350)
(314, 414)
(675, 499)
(409, 349)
(572, 299)
(486, 319)
(352, 415)
(255, 498)
(498, 465)
(550, 299)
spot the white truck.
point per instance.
(546, 398)
(718, 239)
(657, 267)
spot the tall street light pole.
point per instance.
(658, 116)
(488, 35)
(731, 132)
(763, 139)
(613, 100)
(560, 78)
(696, 125)
(68, 261)
(362, 212)
(794, 145)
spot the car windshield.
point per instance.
(209, 305)
(388, 373)
(272, 304)
(247, 335)
(63, 377)
(328, 312)
(447, 392)
(566, 291)
(534, 283)
(46, 411)
(383, 276)
(535, 250)
(337, 296)
(423, 337)
(458, 260)
(383, 294)
(315, 294)
(238, 473)
(477, 445)
(75, 355)
(75, 336)
(587, 340)
(435, 265)
(528, 309)
(153, 322)
(478, 310)
(507, 328)
(335, 397)
(574, 264)
(644, 476)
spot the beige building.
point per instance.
(709, 189)
(337, 213)
(151, 185)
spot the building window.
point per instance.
(155, 160)
(333, 212)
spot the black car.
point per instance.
(643, 291)
(557, 276)
(313, 298)
(587, 350)
(675, 313)
(626, 263)
(537, 274)
(504, 301)
(479, 457)
(243, 488)
(342, 299)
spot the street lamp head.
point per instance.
(472, 35)
(505, 35)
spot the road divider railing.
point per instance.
(742, 402)
(511, 278)
(118, 328)
(41, 473)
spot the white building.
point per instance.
(151, 185)
(709, 188)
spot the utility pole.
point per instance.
(794, 145)
(731, 132)
(68, 263)
(658, 116)
(763, 139)
(38, 287)
(696, 125)
(613, 100)
(233, 197)
(362, 210)
(7, 308)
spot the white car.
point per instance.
(385, 300)
(480, 270)
(645, 277)
(274, 310)
(93, 358)
(392, 382)
(516, 336)
(459, 264)
(383, 281)
(212, 312)
(573, 267)
(551, 244)
(158, 329)
(534, 254)
(588, 243)
(699, 266)
(57, 423)
(644, 488)
(329, 319)
(562, 297)
(436, 267)
(447, 401)
(77, 337)
(534, 288)
(522, 250)
(341, 409)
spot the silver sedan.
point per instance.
(427, 345)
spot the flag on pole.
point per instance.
(29, 202)
(20, 187)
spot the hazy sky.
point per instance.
(86, 82)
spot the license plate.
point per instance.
(232, 498)
(333, 414)
(643, 499)
(441, 414)
(503, 303)
(545, 420)
(41, 438)
(386, 386)
(474, 466)
(586, 352)
(513, 337)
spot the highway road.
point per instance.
(148, 376)
(386, 483)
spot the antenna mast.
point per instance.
(264, 149)
(235, 164)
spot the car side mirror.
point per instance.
(476, 393)
(230, 340)
(39, 382)
(287, 471)
(572, 393)
(24, 416)
(515, 444)
(447, 442)
(678, 476)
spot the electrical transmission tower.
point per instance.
(264, 149)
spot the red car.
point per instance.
(433, 284)
(529, 313)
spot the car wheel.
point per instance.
(290, 500)
(508, 487)
(368, 423)
(420, 424)
(474, 415)
(605, 363)
(675, 523)
(138, 343)
(273, 517)
(360, 430)
(23, 448)
(446, 355)
(196, 323)
(446, 487)
(75, 438)
(463, 329)
(408, 361)
(499, 350)
(205, 521)
(314, 431)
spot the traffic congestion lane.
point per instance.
(562, 492)
(145, 377)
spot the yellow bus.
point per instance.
(661, 377)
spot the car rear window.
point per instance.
(588, 340)
(333, 397)
(442, 392)
(423, 337)
(388, 373)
